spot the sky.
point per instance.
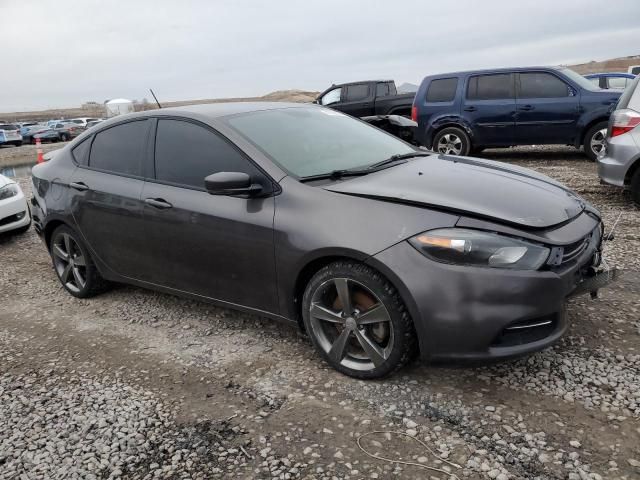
(60, 54)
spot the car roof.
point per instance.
(495, 70)
(610, 74)
(217, 110)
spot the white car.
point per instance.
(14, 211)
(10, 134)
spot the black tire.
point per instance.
(634, 186)
(17, 144)
(394, 337)
(93, 281)
(64, 137)
(594, 134)
(457, 142)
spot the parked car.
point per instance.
(374, 101)
(93, 123)
(620, 165)
(464, 112)
(301, 213)
(14, 211)
(83, 121)
(611, 80)
(59, 132)
(10, 134)
(28, 132)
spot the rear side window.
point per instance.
(357, 92)
(442, 90)
(542, 85)
(186, 153)
(120, 149)
(382, 90)
(490, 87)
(618, 82)
(81, 152)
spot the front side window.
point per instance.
(356, 93)
(307, 141)
(331, 97)
(186, 153)
(119, 149)
(442, 90)
(490, 87)
(542, 85)
(595, 81)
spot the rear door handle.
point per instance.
(78, 186)
(158, 203)
(526, 108)
(470, 109)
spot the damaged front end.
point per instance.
(397, 125)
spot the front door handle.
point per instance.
(470, 109)
(158, 203)
(526, 108)
(79, 186)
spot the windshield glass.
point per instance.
(6, 126)
(579, 79)
(310, 141)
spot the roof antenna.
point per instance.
(155, 98)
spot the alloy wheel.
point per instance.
(69, 262)
(450, 144)
(598, 142)
(351, 324)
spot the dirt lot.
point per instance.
(136, 384)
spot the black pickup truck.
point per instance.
(363, 99)
(374, 101)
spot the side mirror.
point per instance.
(316, 101)
(231, 184)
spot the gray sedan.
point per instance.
(303, 214)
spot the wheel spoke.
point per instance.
(77, 277)
(375, 314)
(66, 272)
(67, 244)
(80, 261)
(323, 313)
(338, 348)
(342, 286)
(58, 252)
(371, 348)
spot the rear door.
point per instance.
(106, 190)
(358, 99)
(548, 109)
(218, 247)
(489, 106)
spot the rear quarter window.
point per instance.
(119, 149)
(81, 152)
(442, 90)
(357, 92)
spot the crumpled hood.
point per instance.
(483, 188)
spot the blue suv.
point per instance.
(465, 112)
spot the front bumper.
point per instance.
(621, 152)
(14, 213)
(471, 313)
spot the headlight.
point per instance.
(9, 191)
(473, 247)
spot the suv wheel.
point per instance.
(357, 321)
(595, 141)
(73, 264)
(452, 141)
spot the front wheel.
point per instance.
(595, 141)
(452, 141)
(357, 321)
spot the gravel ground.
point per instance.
(137, 384)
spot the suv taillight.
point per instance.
(624, 121)
(414, 113)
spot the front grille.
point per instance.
(566, 254)
(526, 331)
(11, 218)
(574, 250)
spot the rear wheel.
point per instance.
(594, 141)
(635, 187)
(73, 264)
(64, 137)
(357, 321)
(452, 141)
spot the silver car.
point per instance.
(620, 164)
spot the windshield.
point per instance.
(579, 79)
(5, 126)
(310, 141)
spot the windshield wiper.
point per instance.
(335, 175)
(396, 158)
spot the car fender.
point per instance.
(448, 120)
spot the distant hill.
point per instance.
(407, 88)
(620, 64)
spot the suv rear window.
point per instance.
(541, 85)
(119, 149)
(442, 90)
(357, 92)
(490, 87)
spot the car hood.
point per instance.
(471, 186)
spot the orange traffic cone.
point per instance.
(39, 147)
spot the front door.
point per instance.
(105, 196)
(547, 109)
(218, 247)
